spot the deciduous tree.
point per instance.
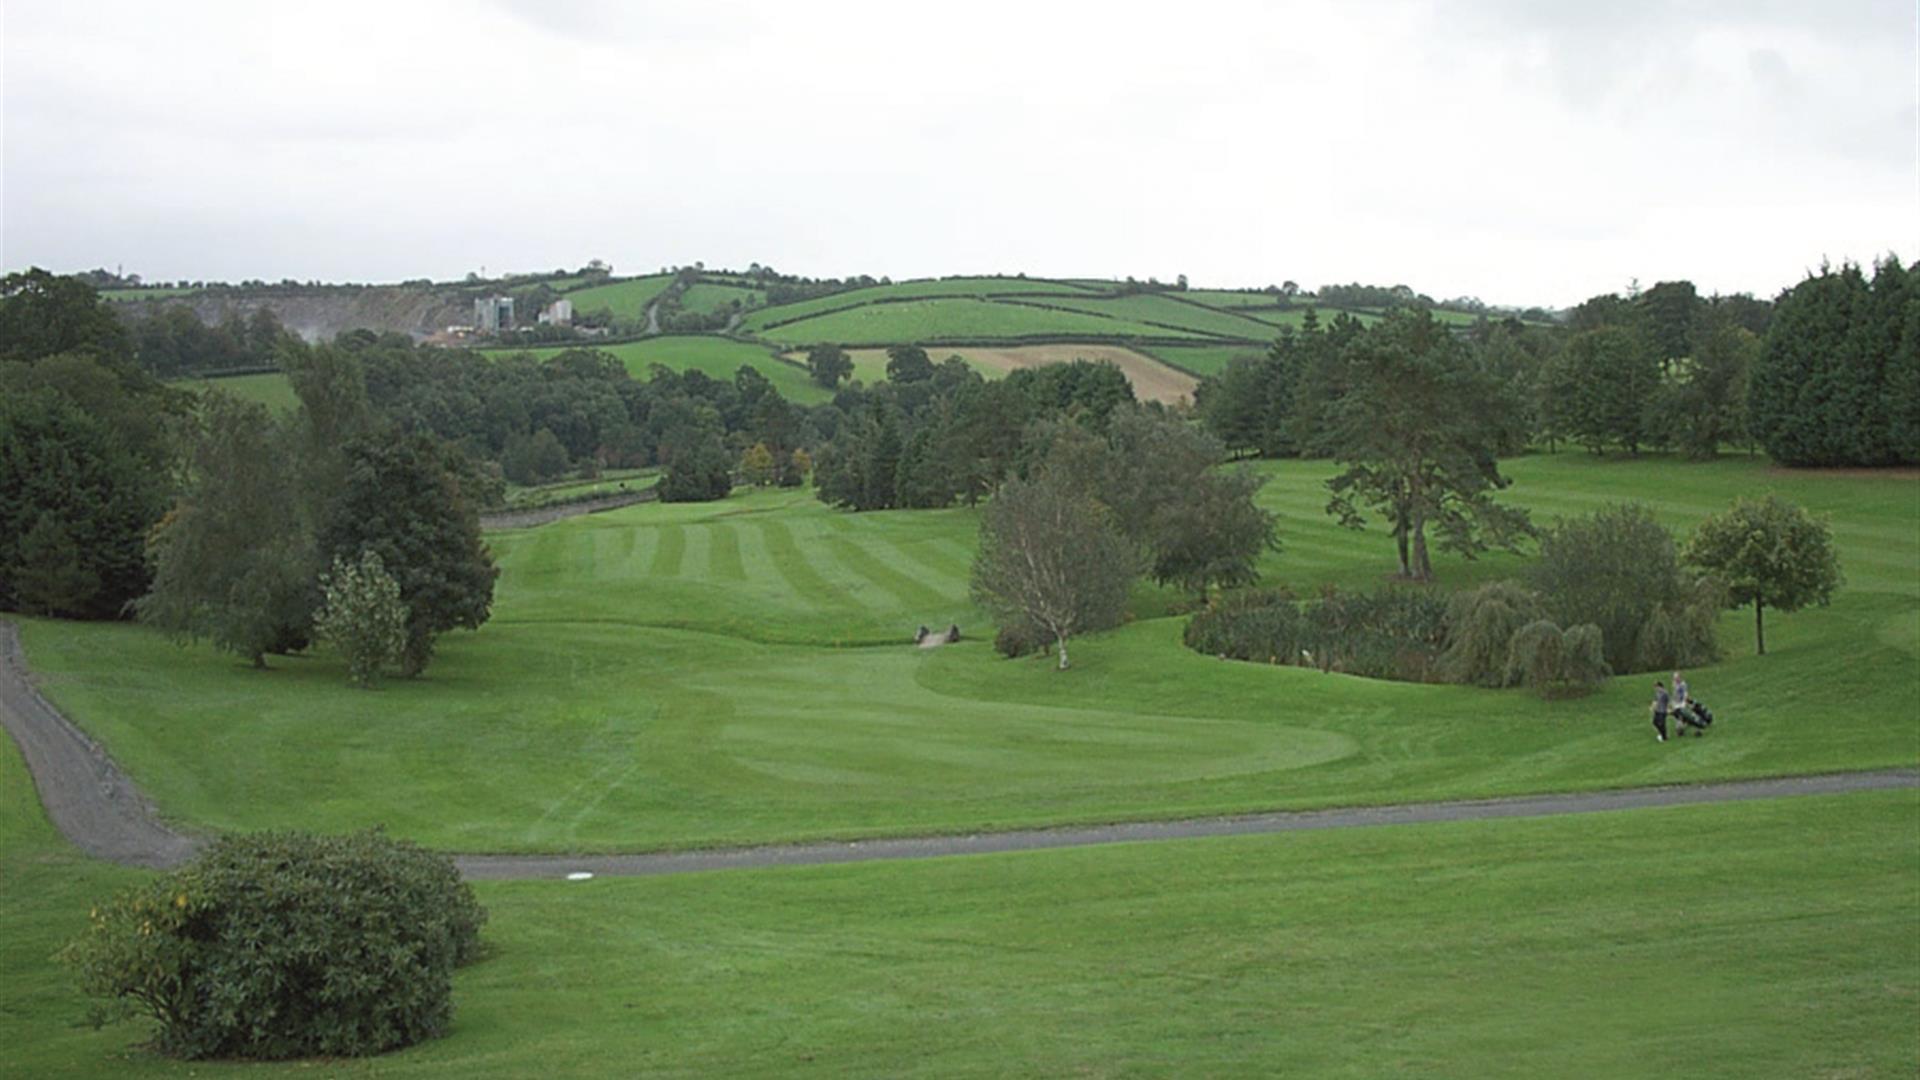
(1050, 558)
(1769, 553)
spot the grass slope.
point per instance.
(706, 297)
(912, 290)
(1171, 312)
(627, 299)
(668, 676)
(954, 318)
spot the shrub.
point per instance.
(362, 617)
(1583, 658)
(1536, 656)
(1019, 639)
(1483, 623)
(1264, 625)
(1394, 633)
(1615, 568)
(280, 945)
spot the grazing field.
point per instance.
(1234, 298)
(627, 299)
(268, 388)
(684, 675)
(716, 356)
(1172, 313)
(1202, 360)
(705, 298)
(927, 321)
(910, 290)
(1768, 938)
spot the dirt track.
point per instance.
(95, 806)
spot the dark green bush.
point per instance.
(1263, 625)
(280, 945)
(1482, 626)
(1020, 639)
(1619, 569)
(1393, 633)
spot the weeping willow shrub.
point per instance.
(1556, 663)
(1583, 658)
(1536, 657)
(1681, 630)
(1483, 623)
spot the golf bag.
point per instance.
(1695, 716)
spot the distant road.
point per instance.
(93, 803)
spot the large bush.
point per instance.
(1393, 633)
(1263, 625)
(1483, 623)
(1618, 569)
(280, 945)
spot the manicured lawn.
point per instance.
(682, 675)
(1777, 938)
(627, 299)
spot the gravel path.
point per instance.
(526, 519)
(95, 806)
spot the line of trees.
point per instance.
(1829, 374)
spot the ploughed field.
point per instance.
(677, 676)
(683, 675)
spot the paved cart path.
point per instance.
(98, 808)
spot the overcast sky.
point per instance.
(1529, 153)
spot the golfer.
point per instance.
(1660, 706)
(1679, 692)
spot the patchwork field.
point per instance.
(958, 318)
(1152, 380)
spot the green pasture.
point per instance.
(1162, 311)
(1201, 360)
(144, 293)
(924, 288)
(688, 675)
(706, 297)
(1233, 298)
(1773, 938)
(269, 388)
(948, 318)
(627, 299)
(719, 357)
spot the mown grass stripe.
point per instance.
(669, 552)
(723, 553)
(908, 590)
(796, 571)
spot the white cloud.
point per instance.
(1519, 152)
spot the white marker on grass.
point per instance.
(579, 875)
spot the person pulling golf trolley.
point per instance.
(1687, 712)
